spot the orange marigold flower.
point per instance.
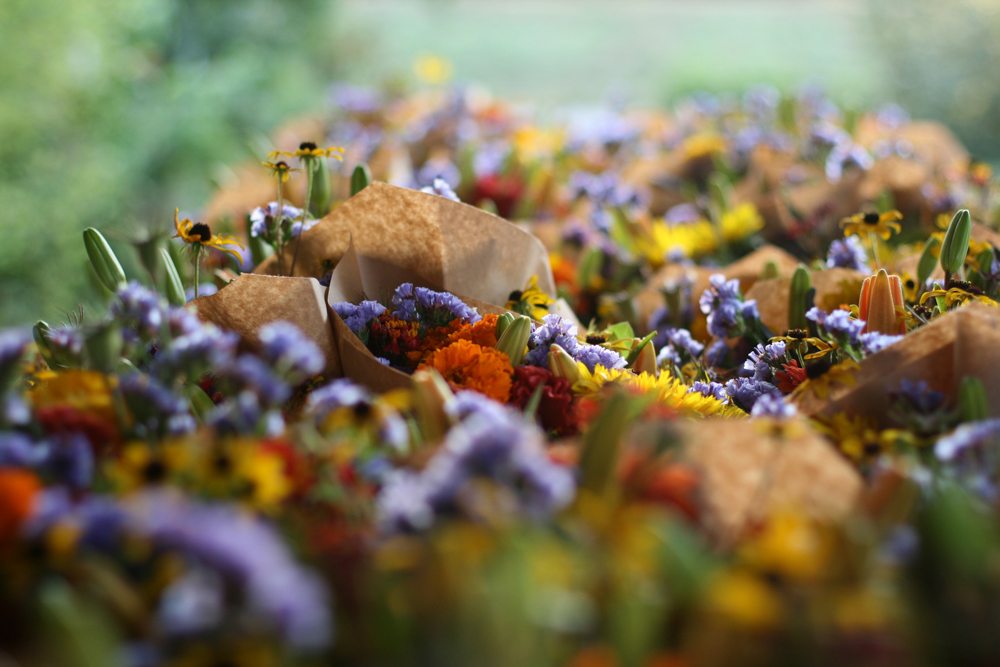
(466, 365)
(17, 499)
(483, 332)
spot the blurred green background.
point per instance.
(113, 112)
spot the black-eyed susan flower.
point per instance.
(282, 170)
(530, 301)
(308, 150)
(200, 235)
(958, 294)
(883, 225)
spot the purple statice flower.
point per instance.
(967, 437)
(668, 356)
(204, 289)
(920, 395)
(192, 603)
(725, 307)
(139, 311)
(245, 414)
(763, 359)
(744, 392)
(246, 550)
(440, 188)
(296, 357)
(714, 389)
(773, 406)
(19, 451)
(155, 409)
(716, 353)
(848, 253)
(249, 373)
(352, 98)
(66, 342)
(600, 126)
(193, 354)
(433, 308)
(182, 322)
(557, 331)
(344, 393)
(682, 213)
(847, 155)
(263, 219)
(13, 345)
(496, 447)
(839, 324)
(14, 410)
(69, 460)
(874, 341)
(435, 170)
(685, 342)
(358, 317)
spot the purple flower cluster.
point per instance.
(491, 445)
(967, 438)
(420, 304)
(744, 392)
(763, 359)
(65, 459)
(839, 324)
(557, 331)
(358, 317)
(440, 187)
(773, 406)
(874, 341)
(714, 389)
(847, 253)
(156, 410)
(343, 393)
(724, 305)
(139, 311)
(294, 356)
(263, 221)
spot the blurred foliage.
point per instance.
(943, 62)
(115, 111)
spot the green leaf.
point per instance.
(173, 288)
(925, 267)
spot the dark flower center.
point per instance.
(362, 409)
(596, 339)
(154, 472)
(871, 218)
(307, 146)
(797, 334)
(202, 231)
(515, 295)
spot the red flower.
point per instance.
(504, 191)
(555, 409)
(790, 377)
(102, 434)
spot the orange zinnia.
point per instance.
(18, 489)
(483, 332)
(466, 365)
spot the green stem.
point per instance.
(310, 176)
(197, 268)
(874, 242)
(280, 237)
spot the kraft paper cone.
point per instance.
(962, 343)
(750, 469)
(251, 301)
(748, 270)
(440, 243)
(357, 279)
(833, 288)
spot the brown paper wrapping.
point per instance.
(962, 343)
(437, 242)
(834, 287)
(251, 301)
(748, 270)
(748, 471)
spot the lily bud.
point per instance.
(106, 265)
(431, 398)
(799, 301)
(956, 242)
(881, 304)
(562, 365)
(319, 196)
(503, 322)
(360, 178)
(514, 340)
(645, 360)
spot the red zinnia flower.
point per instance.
(555, 409)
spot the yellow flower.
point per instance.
(883, 226)
(141, 464)
(840, 375)
(790, 545)
(855, 436)
(703, 144)
(433, 70)
(244, 468)
(740, 222)
(743, 598)
(534, 142)
(667, 390)
(956, 296)
(280, 169)
(85, 391)
(530, 301)
(307, 150)
(200, 234)
(692, 239)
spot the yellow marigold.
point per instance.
(465, 365)
(483, 332)
(86, 391)
(667, 390)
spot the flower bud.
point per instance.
(360, 178)
(503, 322)
(956, 242)
(319, 191)
(431, 398)
(106, 265)
(514, 340)
(799, 301)
(881, 304)
(562, 365)
(645, 359)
